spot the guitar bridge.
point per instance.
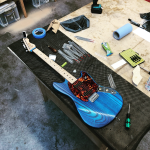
(93, 97)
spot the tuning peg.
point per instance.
(24, 46)
(24, 34)
(27, 50)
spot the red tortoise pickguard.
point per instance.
(87, 84)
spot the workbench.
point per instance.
(114, 15)
(101, 30)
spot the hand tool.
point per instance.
(145, 70)
(128, 123)
(134, 23)
(72, 49)
(84, 39)
(74, 57)
(68, 58)
(79, 48)
(76, 52)
(52, 49)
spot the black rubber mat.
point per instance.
(114, 134)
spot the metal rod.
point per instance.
(145, 69)
(84, 39)
(129, 109)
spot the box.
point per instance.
(38, 3)
(1, 1)
(8, 14)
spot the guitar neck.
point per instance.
(55, 66)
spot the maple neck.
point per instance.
(70, 78)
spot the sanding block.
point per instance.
(136, 76)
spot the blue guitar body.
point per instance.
(96, 113)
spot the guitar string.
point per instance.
(86, 88)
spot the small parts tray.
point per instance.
(76, 24)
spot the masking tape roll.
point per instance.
(36, 32)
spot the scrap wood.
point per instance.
(54, 25)
(136, 76)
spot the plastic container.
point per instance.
(8, 14)
(38, 3)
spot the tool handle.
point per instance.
(52, 49)
(128, 121)
(95, 2)
(134, 23)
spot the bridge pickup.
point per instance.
(93, 97)
(88, 92)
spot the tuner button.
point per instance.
(26, 50)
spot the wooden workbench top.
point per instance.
(115, 15)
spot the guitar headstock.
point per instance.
(30, 47)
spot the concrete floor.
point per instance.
(26, 121)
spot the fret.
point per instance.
(32, 48)
(55, 66)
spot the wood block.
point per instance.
(136, 76)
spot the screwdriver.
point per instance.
(145, 70)
(128, 119)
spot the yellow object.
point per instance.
(64, 64)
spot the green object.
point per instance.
(64, 64)
(128, 121)
(106, 47)
(132, 57)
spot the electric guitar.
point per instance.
(96, 104)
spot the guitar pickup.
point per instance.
(93, 97)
